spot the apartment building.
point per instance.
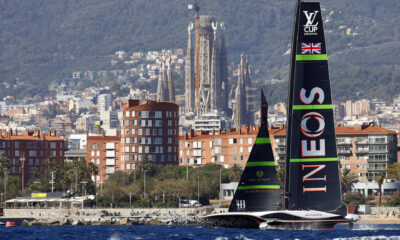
(149, 129)
(366, 150)
(30, 150)
(220, 147)
(104, 152)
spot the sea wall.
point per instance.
(53, 213)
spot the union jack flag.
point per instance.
(311, 48)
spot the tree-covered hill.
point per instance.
(44, 40)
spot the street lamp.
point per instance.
(84, 184)
(198, 188)
(130, 200)
(22, 159)
(1, 203)
(220, 192)
(144, 183)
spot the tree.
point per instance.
(93, 171)
(346, 179)
(281, 176)
(4, 165)
(379, 179)
(393, 171)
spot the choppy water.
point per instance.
(341, 232)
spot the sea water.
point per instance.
(362, 232)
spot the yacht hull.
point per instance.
(288, 220)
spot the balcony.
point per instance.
(364, 141)
(279, 151)
(344, 151)
(343, 143)
(281, 144)
(362, 151)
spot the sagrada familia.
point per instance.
(207, 91)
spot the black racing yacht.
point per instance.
(312, 194)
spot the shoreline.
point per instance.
(144, 216)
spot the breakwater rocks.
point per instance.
(189, 220)
(113, 221)
(60, 217)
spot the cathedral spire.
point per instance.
(170, 80)
(161, 96)
(241, 115)
(189, 74)
(223, 72)
(214, 83)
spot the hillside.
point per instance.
(45, 40)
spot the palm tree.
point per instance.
(346, 179)
(281, 176)
(93, 171)
(4, 165)
(379, 179)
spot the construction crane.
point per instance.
(196, 8)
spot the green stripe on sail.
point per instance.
(258, 187)
(262, 140)
(314, 160)
(310, 107)
(312, 57)
(260, 164)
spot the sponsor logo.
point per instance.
(241, 204)
(309, 146)
(311, 27)
(260, 173)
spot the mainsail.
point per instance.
(312, 168)
(259, 189)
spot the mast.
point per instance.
(290, 100)
(312, 160)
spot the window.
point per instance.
(169, 123)
(241, 141)
(218, 141)
(234, 149)
(140, 131)
(158, 123)
(232, 140)
(250, 141)
(218, 150)
(133, 114)
(144, 114)
(97, 161)
(127, 114)
(148, 132)
(158, 114)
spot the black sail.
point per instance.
(258, 189)
(312, 161)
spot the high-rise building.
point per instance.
(149, 129)
(104, 102)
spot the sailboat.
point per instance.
(258, 191)
(312, 196)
